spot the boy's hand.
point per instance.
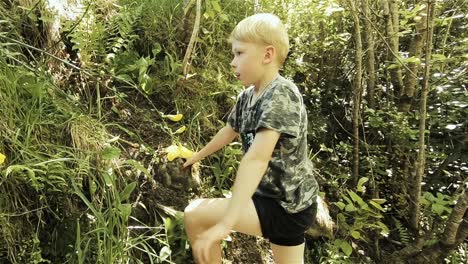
(207, 240)
(194, 158)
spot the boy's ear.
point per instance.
(270, 53)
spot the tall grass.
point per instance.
(61, 185)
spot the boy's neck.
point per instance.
(268, 77)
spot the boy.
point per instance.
(274, 192)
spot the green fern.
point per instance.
(103, 31)
(402, 232)
(122, 29)
(88, 39)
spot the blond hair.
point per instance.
(265, 29)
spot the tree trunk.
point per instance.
(370, 58)
(420, 163)
(191, 45)
(415, 50)
(454, 230)
(390, 9)
(357, 91)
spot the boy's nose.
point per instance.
(232, 64)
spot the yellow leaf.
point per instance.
(174, 118)
(172, 148)
(2, 158)
(185, 152)
(172, 152)
(172, 155)
(180, 130)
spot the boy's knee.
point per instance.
(190, 212)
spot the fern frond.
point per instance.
(122, 29)
(402, 232)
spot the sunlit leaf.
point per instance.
(350, 208)
(174, 118)
(180, 130)
(164, 253)
(360, 183)
(125, 210)
(340, 205)
(424, 201)
(108, 179)
(2, 158)
(384, 229)
(356, 197)
(172, 155)
(376, 205)
(125, 194)
(438, 209)
(110, 153)
(19, 168)
(414, 60)
(379, 201)
(344, 246)
(185, 152)
(174, 152)
(355, 234)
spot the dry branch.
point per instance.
(196, 28)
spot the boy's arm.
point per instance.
(224, 136)
(251, 169)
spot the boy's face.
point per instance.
(249, 62)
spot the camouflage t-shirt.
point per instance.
(289, 177)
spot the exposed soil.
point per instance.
(241, 249)
(244, 249)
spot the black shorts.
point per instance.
(279, 226)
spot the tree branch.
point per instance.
(452, 231)
(420, 163)
(196, 28)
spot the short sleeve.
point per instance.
(282, 112)
(234, 119)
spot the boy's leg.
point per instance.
(288, 254)
(201, 214)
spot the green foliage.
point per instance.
(30, 251)
(52, 151)
(439, 205)
(177, 241)
(459, 256)
(392, 124)
(105, 31)
(359, 219)
(330, 253)
(225, 166)
(107, 239)
(36, 173)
